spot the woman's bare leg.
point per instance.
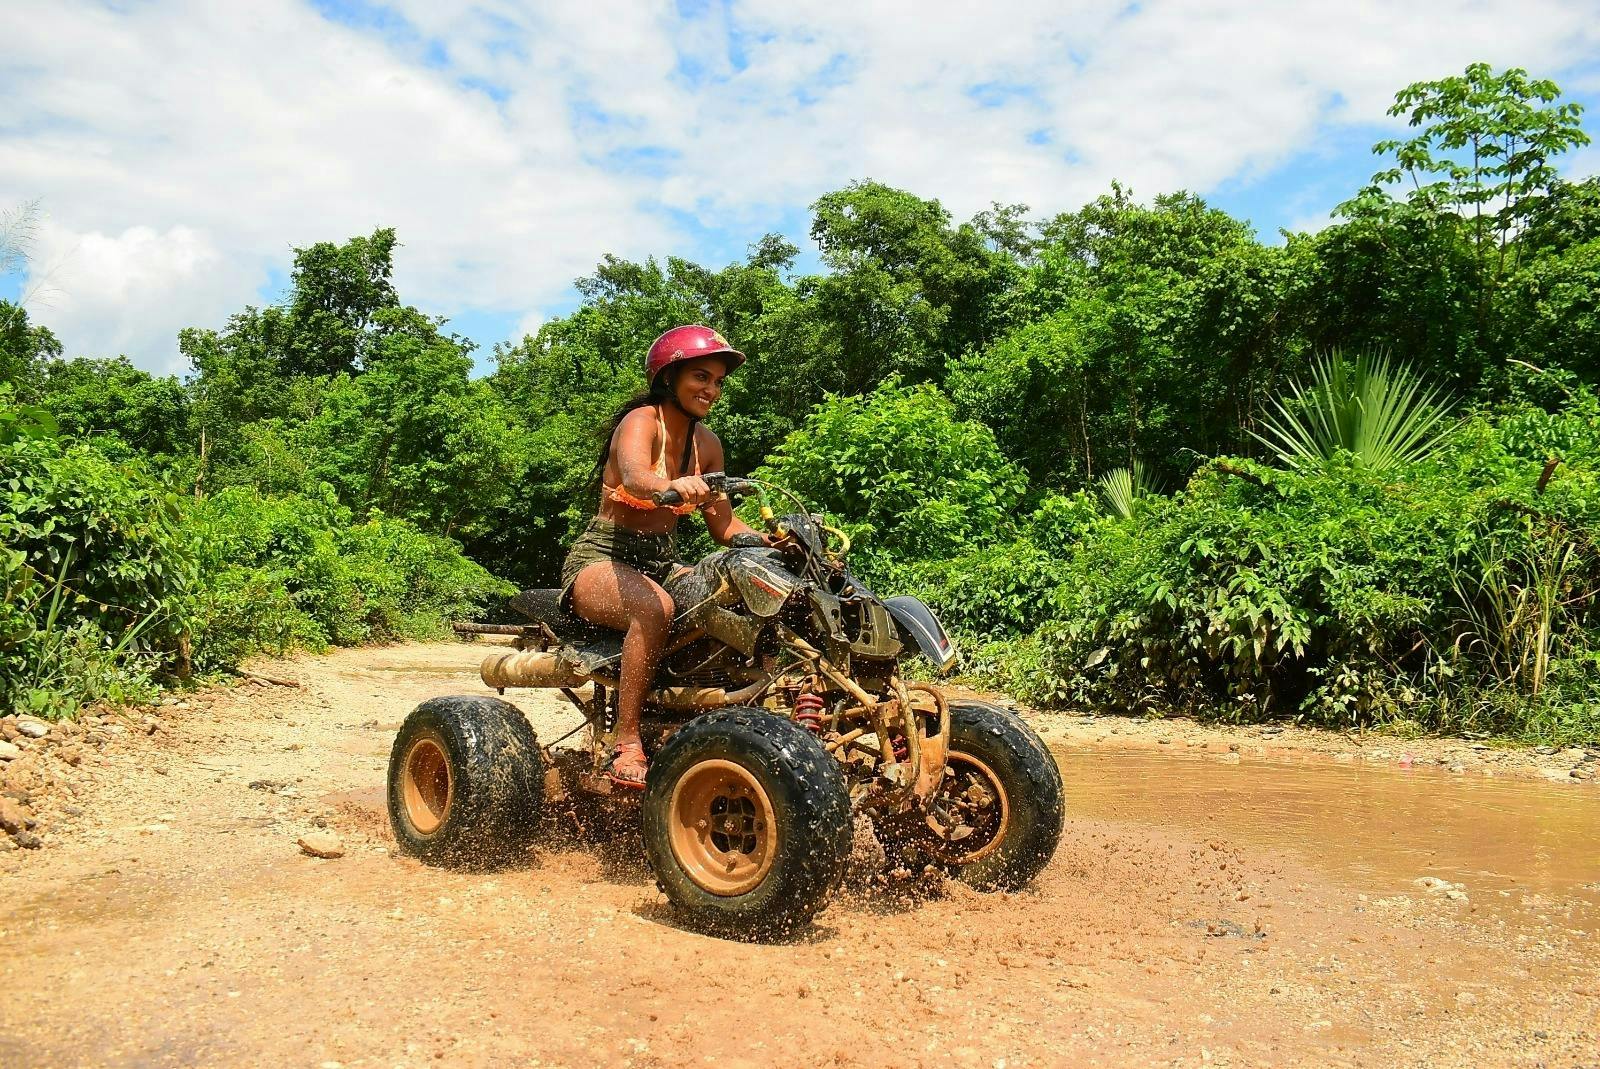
(614, 595)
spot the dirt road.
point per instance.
(1220, 898)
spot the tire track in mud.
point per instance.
(214, 941)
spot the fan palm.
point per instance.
(1381, 412)
(1123, 489)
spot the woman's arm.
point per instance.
(635, 448)
(720, 520)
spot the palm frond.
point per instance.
(19, 228)
(1123, 488)
(1381, 412)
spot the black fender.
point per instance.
(913, 617)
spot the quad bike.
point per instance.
(780, 730)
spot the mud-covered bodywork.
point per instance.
(916, 620)
(734, 595)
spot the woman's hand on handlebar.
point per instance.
(692, 489)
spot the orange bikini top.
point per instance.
(620, 495)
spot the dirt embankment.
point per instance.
(1221, 897)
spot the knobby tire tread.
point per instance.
(499, 782)
(814, 817)
(1038, 797)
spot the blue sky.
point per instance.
(179, 154)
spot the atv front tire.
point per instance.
(746, 823)
(466, 780)
(1003, 784)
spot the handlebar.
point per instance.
(721, 483)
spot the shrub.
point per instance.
(909, 481)
(295, 571)
(1454, 592)
(109, 582)
(94, 572)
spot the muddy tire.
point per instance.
(999, 761)
(746, 823)
(466, 780)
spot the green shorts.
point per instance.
(653, 555)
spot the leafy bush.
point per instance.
(108, 581)
(1454, 593)
(93, 572)
(909, 481)
(295, 571)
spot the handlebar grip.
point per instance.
(715, 479)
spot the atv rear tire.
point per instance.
(746, 823)
(466, 780)
(993, 750)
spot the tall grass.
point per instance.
(1511, 606)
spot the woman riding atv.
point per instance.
(614, 572)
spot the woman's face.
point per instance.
(698, 384)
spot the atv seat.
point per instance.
(545, 606)
(590, 647)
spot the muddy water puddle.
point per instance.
(1377, 829)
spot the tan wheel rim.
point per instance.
(974, 797)
(722, 829)
(427, 786)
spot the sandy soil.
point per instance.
(170, 919)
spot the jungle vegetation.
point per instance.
(1141, 458)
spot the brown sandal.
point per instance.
(633, 754)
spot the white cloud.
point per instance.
(1584, 163)
(182, 150)
(526, 326)
(116, 282)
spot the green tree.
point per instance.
(1152, 329)
(910, 481)
(1404, 279)
(146, 414)
(1483, 152)
(239, 379)
(273, 363)
(1569, 214)
(336, 293)
(906, 289)
(24, 349)
(413, 435)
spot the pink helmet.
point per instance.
(687, 343)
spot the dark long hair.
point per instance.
(659, 393)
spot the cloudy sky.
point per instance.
(179, 151)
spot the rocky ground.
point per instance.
(213, 882)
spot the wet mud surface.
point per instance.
(1218, 899)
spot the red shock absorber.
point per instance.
(808, 710)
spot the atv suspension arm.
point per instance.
(920, 775)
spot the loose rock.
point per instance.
(9, 751)
(1434, 885)
(33, 728)
(14, 816)
(323, 844)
